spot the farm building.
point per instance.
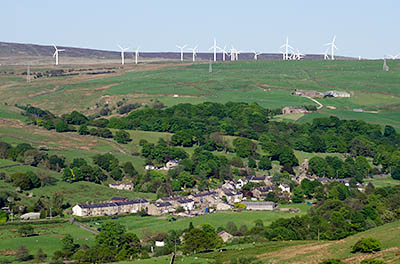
(122, 186)
(111, 208)
(260, 206)
(30, 216)
(225, 236)
(337, 94)
(293, 110)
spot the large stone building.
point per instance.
(110, 208)
(160, 208)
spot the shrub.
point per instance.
(367, 245)
(332, 261)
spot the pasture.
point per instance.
(268, 83)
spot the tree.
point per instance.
(319, 167)
(298, 195)
(23, 254)
(186, 180)
(231, 228)
(69, 247)
(61, 126)
(245, 147)
(197, 240)
(332, 261)
(21, 180)
(129, 169)
(264, 163)
(111, 236)
(389, 131)
(83, 130)
(122, 137)
(252, 163)
(396, 172)
(26, 230)
(116, 174)
(40, 256)
(367, 245)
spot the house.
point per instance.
(337, 94)
(205, 199)
(260, 206)
(230, 195)
(258, 179)
(30, 216)
(284, 188)
(225, 236)
(111, 208)
(223, 207)
(240, 183)
(293, 110)
(159, 244)
(261, 192)
(186, 203)
(171, 164)
(308, 93)
(122, 186)
(228, 185)
(160, 208)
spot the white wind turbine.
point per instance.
(287, 47)
(326, 56)
(256, 55)
(136, 55)
(215, 47)
(194, 53)
(56, 53)
(181, 48)
(332, 46)
(394, 57)
(299, 55)
(224, 53)
(123, 54)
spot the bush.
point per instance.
(61, 126)
(367, 245)
(372, 261)
(332, 261)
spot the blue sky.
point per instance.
(368, 28)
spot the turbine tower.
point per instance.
(233, 56)
(326, 56)
(224, 53)
(194, 53)
(215, 47)
(299, 55)
(287, 47)
(56, 53)
(181, 48)
(123, 54)
(136, 55)
(256, 55)
(332, 46)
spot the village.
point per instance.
(228, 196)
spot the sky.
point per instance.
(366, 28)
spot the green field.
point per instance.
(268, 83)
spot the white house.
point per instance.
(30, 216)
(284, 188)
(128, 186)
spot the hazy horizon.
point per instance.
(363, 28)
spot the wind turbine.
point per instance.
(181, 48)
(287, 47)
(194, 53)
(215, 47)
(233, 56)
(326, 57)
(256, 55)
(56, 53)
(123, 54)
(332, 47)
(299, 55)
(237, 52)
(224, 52)
(136, 55)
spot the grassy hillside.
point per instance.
(268, 83)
